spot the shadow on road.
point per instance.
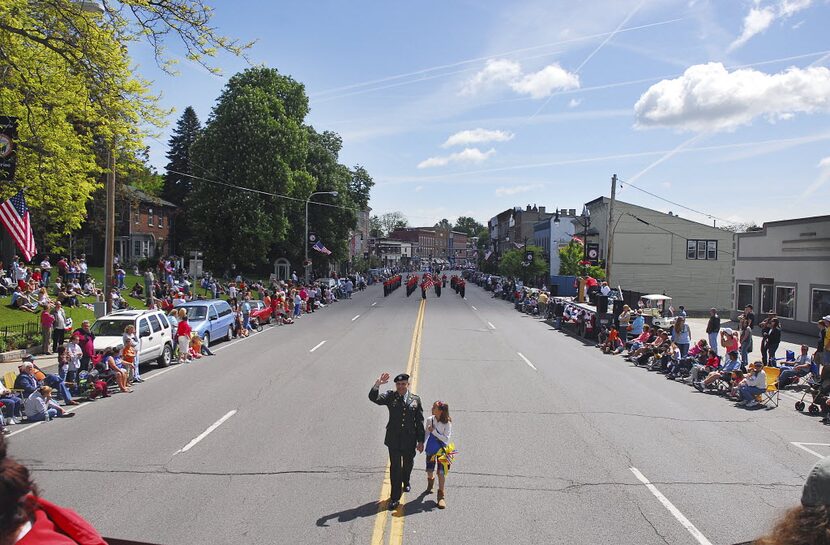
(417, 505)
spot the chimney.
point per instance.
(541, 209)
(528, 208)
(572, 212)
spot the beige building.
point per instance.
(656, 252)
(785, 267)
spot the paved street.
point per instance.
(556, 440)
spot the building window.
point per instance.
(136, 248)
(161, 219)
(150, 217)
(819, 304)
(136, 214)
(744, 297)
(702, 249)
(785, 301)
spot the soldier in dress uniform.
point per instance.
(404, 432)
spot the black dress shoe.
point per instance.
(393, 504)
(407, 488)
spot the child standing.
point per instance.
(438, 431)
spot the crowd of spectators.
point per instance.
(718, 362)
(88, 372)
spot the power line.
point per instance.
(710, 216)
(261, 192)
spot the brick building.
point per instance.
(143, 225)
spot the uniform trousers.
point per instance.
(400, 469)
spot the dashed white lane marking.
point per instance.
(205, 433)
(491, 325)
(527, 361)
(318, 346)
(671, 508)
(375, 303)
(356, 317)
(814, 453)
(474, 308)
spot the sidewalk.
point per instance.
(789, 341)
(48, 364)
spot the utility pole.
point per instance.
(609, 253)
(109, 232)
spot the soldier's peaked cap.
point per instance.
(403, 377)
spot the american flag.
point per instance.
(322, 249)
(15, 217)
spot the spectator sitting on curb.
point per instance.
(39, 406)
(29, 382)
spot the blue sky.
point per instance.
(472, 107)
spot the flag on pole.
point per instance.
(487, 255)
(15, 217)
(322, 249)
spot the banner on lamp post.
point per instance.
(8, 150)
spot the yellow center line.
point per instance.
(412, 365)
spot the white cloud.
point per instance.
(759, 19)
(574, 102)
(755, 22)
(469, 155)
(495, 71)
(709, 98)
(824, 163)
(419, 188)
(535, 84)
(516, 189)
(477, 136)
(544, 82)
(667, 185)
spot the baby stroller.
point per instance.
(817, 394)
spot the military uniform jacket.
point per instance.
(406, 420)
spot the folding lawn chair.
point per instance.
(772, 395)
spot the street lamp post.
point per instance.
(307, 201)
(586, 221)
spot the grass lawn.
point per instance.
(10, 316)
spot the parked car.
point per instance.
(153, 329)
(211, 319)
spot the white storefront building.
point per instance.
(785, 268)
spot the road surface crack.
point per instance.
(645, 518)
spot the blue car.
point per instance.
(211, 319)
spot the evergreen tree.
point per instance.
(176, 184)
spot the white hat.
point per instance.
(728, 330)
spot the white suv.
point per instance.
(153, 329)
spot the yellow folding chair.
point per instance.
(772, 395)
(8, 381)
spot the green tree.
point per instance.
(262, 113)
(513, 264)
(466, 224)
(65, 73)
(375, 227)
(391, 221)
(444, 224)
(178, 181)
(571, 259)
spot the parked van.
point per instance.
(211, 319)
(151, 326)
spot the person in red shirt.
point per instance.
(183, 336)
(28, 519)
